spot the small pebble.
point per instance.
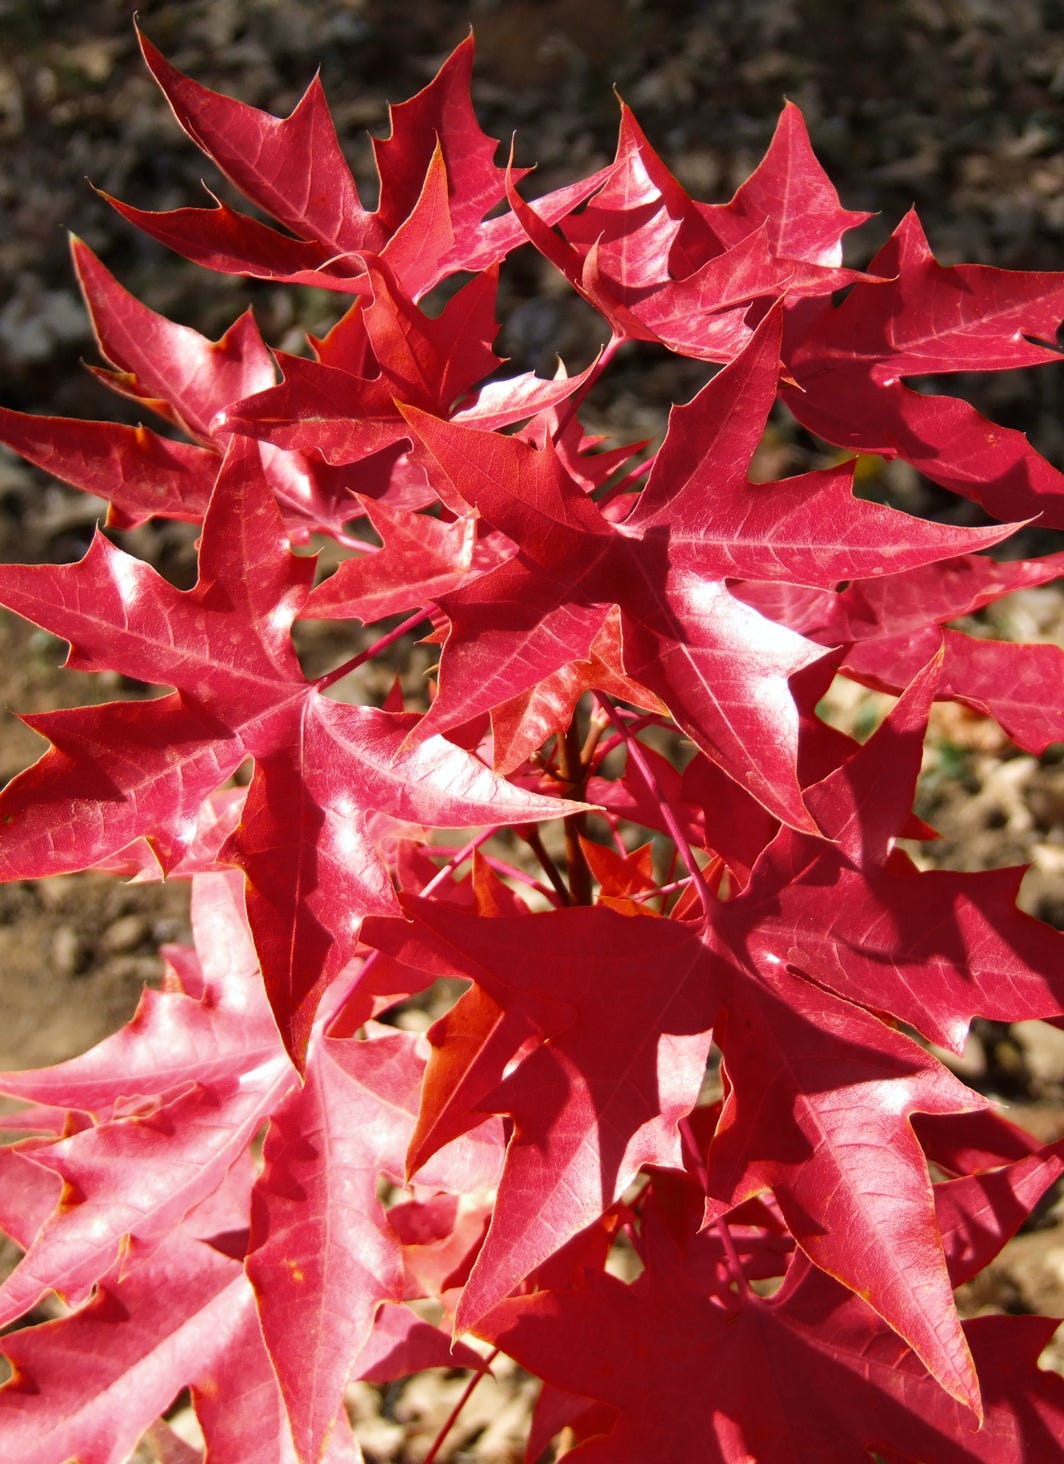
(125, 934)
(68, 951)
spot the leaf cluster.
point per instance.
(692, 997)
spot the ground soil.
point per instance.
(954, 105)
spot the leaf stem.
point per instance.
(331, 677)
(534, 841)
(599, 723)
(573, 769)
(661, 890)
(606, 355)
(735, 1265)
(634, 721)
(465, 852)
(635, 752)
(452, 1417)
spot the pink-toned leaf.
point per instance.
(86, 1386)
(221, 239)
(659, 266)
(402, 1343)
(241, 693)
(322, 1257)
(137, 1175)
(421, 558)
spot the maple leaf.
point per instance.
(933, 948)
(140, 472)
(88, 1384)
(175, 1098)
(322, 1255)
(660, 267)
(697, 525)
(320, 766)
(438, 183)
(630, 1081)
(187, 380)
(848, 362)
(893, 627)
(596, 1098)
(811, 1372)
(695, 1291)
(882, 936)
(621, 1110)
(132, 1176)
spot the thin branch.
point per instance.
(511, 871)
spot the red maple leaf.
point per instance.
(438, 183)
(893, 626)
(661, 267)
(187, 380)
(430, 362)
(157, 1153)
(811, 1372)
(322, 1254)
(848, 363)
(593, 1101)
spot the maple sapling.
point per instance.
(723, 1052)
